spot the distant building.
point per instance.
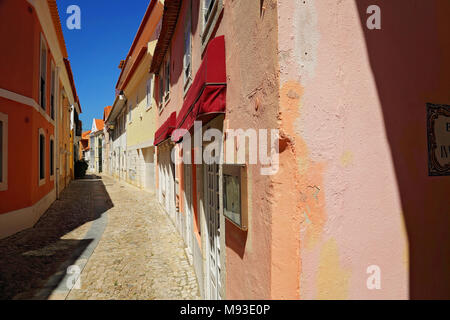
(96, 146)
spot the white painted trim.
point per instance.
(25, 101)
(41, 132)
(49, 30)
(18, 220)
(52, 176)
(145, 144)
(4, 182)
(43, 44)
(209, 25)
(148, 92)
(130, 113)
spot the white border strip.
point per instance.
(25, 101)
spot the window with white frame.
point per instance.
(52, 156)
(161, 88)
(61, 103)
(3, 151)
(43, 74)
(167, 80)
(130, 108)
(41, 157)
(187, 50)
(208, 6)
(52, 92)
(149, 92)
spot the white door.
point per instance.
(188, 204)
(213, 225)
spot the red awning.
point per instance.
(166, 129)
(207, 95)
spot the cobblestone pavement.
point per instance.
(29, 258)
(139, 255)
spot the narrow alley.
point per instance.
(118, 237)
(224, 150)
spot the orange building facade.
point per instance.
(36, 94)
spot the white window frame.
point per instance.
(167, 79)
(161, 88)
(4, 181)
(187, 56)
(50, 156)
(149, 92)
(205, 10)
(41, 133)
(208, 24)
(41, 70)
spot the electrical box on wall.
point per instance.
(235, 195)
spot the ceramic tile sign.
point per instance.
(438, 129)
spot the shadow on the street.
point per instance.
(30, 258)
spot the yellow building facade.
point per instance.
(136, 83)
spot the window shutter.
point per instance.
(148, 93)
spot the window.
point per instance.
(187, 50)
(61, 104)
(41, 157)
(130, 107)
(3, 152)
(161, 89)
(43, 74)
(52, 92)
(52, 157)
(208, 6)
(149, 92)
(234, 195)
(211, 10)
(164, 83)
(167, 80)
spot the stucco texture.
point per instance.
(355, 124)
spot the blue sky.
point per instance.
(107, 30)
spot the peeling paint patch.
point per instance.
(308, 221)
(346, 158)
(306, 39)
(332, 278)
(309, 174)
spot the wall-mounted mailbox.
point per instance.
(235, 195)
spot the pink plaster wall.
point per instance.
(364, 197)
